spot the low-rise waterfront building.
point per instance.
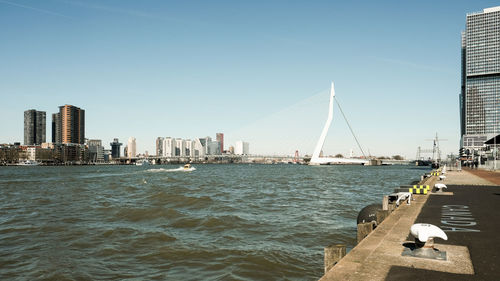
(9, 154)
(70, 153)
(96, 151)
(44, 155)
(15, 153)
(37, 153)
(107, 155)
(31, 153)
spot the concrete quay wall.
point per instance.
(381, 251)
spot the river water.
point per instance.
(220, 222)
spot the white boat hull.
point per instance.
(28, 163)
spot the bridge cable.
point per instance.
(350, 128)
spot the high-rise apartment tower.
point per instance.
(56, 128)
(34, 127)
(159, 146)
(68, 126)
(220, 138)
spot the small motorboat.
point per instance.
(142, 162)
(188, 168)
(29, 163)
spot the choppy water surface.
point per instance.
(220, 222)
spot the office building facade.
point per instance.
(34, 127)
(220, 138)
(241, 148)
(159, 146)
(480, 91)
(131, 147)
(96, 151)
(115, 148)
(214, 148)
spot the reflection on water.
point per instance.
(220, 222)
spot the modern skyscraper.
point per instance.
(220, 138)
(34, 127)
(480, 91)
(115, 149)
(131, 147)
(159, 146)
(56, 128)
(68, 126)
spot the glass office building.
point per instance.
(480, 91)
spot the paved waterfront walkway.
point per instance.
(467, 177)
(491, 176)
(468, 211)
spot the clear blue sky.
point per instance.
(249, 69)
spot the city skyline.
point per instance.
(248, 70)
(68, 127)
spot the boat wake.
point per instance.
(180, 169)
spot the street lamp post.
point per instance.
(495, 151)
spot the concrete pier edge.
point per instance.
(380, 250)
